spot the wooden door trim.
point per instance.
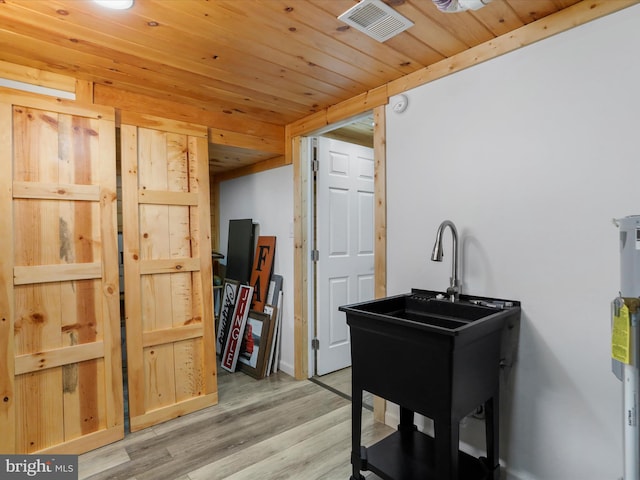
(176, 410)
(7, 316)
(57, 273)
(300, 302)
(57, 357)
(131, 256)
(88, 442)
(58, 105)
(201, 149)
(301, 242)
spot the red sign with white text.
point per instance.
(238, 322)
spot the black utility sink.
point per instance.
(434, 357)
(428, 310)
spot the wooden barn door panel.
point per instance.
(60, 323)
(168, 276)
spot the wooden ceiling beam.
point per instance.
(34, 76)
(229, 129)
(349, 108)
(261, 166)
(570, 17)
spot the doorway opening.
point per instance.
(341, 230)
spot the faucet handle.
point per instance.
(454, 290)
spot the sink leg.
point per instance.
(406, 420)
(492, 432)
(356, 432)
(447, 443)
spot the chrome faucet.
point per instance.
(454, 289)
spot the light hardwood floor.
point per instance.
(340, 382)
(275, 428)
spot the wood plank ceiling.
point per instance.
(271, 61)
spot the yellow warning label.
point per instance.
(621, 336)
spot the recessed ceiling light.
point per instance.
(115, 4)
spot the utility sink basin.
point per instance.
(424, 310)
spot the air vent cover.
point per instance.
(376, 19)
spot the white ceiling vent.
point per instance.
(376, 19)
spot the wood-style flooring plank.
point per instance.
(93, 464)
(274, 447)
(233, 432)
(340, 381)
(272, 428)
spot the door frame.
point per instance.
(311, 151)
(302, 273)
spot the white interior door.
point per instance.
(345, 241)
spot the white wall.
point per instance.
(531, 155)
(267, 198)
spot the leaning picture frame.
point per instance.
(256, 344)
(275, 287)
(272, 311)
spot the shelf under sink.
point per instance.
(411, 456)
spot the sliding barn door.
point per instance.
(167, 269)
(60, 365)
